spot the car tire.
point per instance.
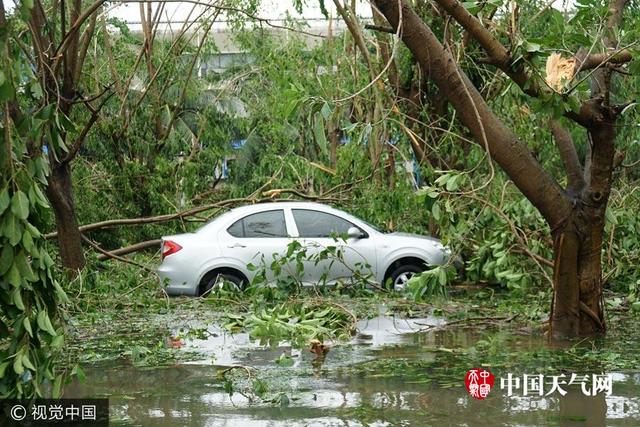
(211, 279)
(401, 275)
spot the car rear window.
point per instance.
(262, 224)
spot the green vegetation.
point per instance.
(112, 138)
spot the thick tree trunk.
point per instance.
(60, 194)
(578, 307)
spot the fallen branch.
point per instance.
(278, 191)
(132, 248)
(116, 257)
(154, 219)
(477, 321)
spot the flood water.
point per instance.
(345, 389)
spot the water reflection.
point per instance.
(192, 394)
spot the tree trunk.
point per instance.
(60, 194)
(578, 307)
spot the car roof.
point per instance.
(266, 206)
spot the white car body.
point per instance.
(213, 248)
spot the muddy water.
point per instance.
(336, 392)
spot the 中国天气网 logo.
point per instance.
(479, 383)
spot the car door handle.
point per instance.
(237, 245)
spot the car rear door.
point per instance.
(257, 239)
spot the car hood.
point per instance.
(415, 236)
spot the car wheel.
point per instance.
(401, 275)
(213, 282)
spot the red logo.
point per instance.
(479, 383)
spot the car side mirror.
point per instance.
(354, 233)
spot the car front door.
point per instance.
(329, 256)
(258, 239)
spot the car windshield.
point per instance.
(373, 226)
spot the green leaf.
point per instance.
(284, 361)
(26, 362)
(57, 342)
(15, 230)
(435, 211)
(442, 277)
(17, 299)
(532, 47)
(36, 90)
(3, 368)
(79, 373)
(6, 259)
(20, 205)
(33, 230)
(326, 111)
(62, 295)
(471, 6)
(13, 277)
(57, 387)
(45, 324)
(4, 200)
(452, 183)
(24, 267)
(17, 364)
(27, 326)
(27, 241)
(318, 133)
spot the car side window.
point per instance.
(319, 224)
(262, 224)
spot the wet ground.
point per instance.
(394, 372)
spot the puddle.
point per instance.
(218, 346)
(333, 393)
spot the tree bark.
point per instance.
(60, 194)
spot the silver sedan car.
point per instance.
(225, 248)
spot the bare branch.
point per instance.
(498, 53)
(155, 219)
(380, 28)
(67, 38)
(84, 46)
(95, 114)
(132, 248)
(95, 246)
(596, 60)
(568, 155)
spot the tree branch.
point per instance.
(107, 254)
(84, 46)
(95, 114)
(498, 54)
(379, 28)
(569, 156)
(596, 60)
(488, 130)
(132, 248)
